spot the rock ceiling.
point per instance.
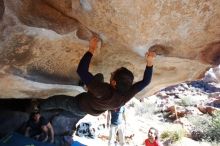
(41, 42)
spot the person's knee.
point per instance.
(44, 129)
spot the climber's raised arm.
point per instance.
(83, 67)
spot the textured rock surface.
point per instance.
(213, 75)
(41, 42)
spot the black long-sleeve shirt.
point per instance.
(101, 96)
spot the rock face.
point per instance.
(213, 75)
(42, 41)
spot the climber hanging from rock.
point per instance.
(101, 96)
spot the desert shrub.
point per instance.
(165, 135)
(174, 134)
(207, 126)
(146, 110)
(189, 100)
(213, 134)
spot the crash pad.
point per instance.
(16, 139)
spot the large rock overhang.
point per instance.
(41, 42)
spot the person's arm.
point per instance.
(96, 87)
(150, 58)
(83, 67)
(27, 131)
(27, 128)
(124, 116)
(108, 119)
(138, 86)
(45, 127)
(51, 132)
(147, 73)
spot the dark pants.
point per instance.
(68, 104)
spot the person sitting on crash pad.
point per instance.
(39, 128)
